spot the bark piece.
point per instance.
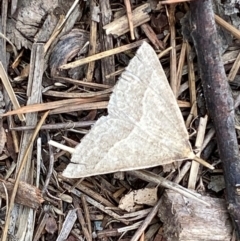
(27, 21)
(187, 220)
(107, 64)
(27, 194)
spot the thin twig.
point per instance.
(129, 16)
(103, 55)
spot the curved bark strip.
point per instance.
(218, 98)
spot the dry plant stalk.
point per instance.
(192, 80)
(233, 72)
(173, 54)
(181, 64)
(234, 31)
(92, 44)
(102, 55)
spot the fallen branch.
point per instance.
(218, 98)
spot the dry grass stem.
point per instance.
(191, 79)
(103, 55)
(233, 72)
(234, 31)
(173, 55)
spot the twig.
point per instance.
(87, 215)
(97, 205)
(180, 64)
(92, 43)
(103, 55)
(233, 72)
(39, 157)
(151, 177)
(146, 222)
(61, 146)
(152, 36)
(218, 99)
(64, 126)
(129, 16)
(191, 79)
(81, 219)
(50, 167)
(234, 31)
(173, 55)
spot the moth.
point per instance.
(144, 126)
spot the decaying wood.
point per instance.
(185, 219)
(107, 64)
(24, 25)
(218, 99)
(120, 25)
(26, 195)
